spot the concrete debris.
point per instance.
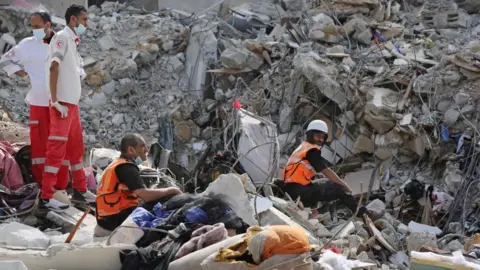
(19, 236)
(227, 91)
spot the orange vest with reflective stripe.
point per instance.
(298, 169)
(113, 196)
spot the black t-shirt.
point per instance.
(314, 156)
(129, 174)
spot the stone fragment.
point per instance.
(109, 87)
(418, 239)
(461, 98)
(175, 65)
(377, 209)
(124, 68)
(323, 28)
(89, 61)
(125, 87)
(295, 5)
(322, 75)
(106, 43)
(240, 58)
(144, 58)
(381, 104)
(285, 119)
(117, 119)
(451, 116)
(4, 93)
(18, 235)
(363, 144)
(453, 246)
(98, 100)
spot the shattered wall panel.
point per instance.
(257, 148)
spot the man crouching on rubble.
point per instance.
(304, 164)
(122, 187)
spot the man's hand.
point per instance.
(62, 109)
(348, 189)
(174, 191)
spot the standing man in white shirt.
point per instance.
(65, 139)
(27, 60)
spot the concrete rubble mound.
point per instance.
(223, 97)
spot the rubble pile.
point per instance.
(396, 81)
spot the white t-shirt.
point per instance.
(63, 50)
(30, 55)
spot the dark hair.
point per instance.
(44, 15)
(130, 139)
(73, 10)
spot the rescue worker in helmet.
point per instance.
(304, 164)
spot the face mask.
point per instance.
(138, 160)
(39, 34)
(80, 29)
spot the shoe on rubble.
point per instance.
(86, 197)
(53, 205)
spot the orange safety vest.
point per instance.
(298, 169)
(113, 196)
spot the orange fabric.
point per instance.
(113, 196)
(298, 169)
(283, 239)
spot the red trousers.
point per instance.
(39, 124)
(65, 143)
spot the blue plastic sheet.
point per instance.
(445, 133)
(142, 217)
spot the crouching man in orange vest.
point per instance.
(122, 187)
(304, 164)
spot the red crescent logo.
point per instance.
(59, 44)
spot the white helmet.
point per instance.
(318, 125)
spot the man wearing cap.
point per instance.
(304, 164)
(27, 60)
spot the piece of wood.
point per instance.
(74, 230)
(378, 234)
(407, 93)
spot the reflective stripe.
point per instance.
(58, 55)
(50, 169)
(66, 162)
(33, 122)
(36, 161)
(58, 138)
(76, 167)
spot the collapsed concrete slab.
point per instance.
(68, 257)
(19, 236)
(13, 265)
(231, 188)
(322, 75)
(381, 104)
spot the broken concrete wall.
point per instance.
(195, 6)
(68, 257)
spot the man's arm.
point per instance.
(332, 176)
(314, 156)
(11, 62)
(149, 195)
(130, 176)
(53, 80)
(58, 50)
